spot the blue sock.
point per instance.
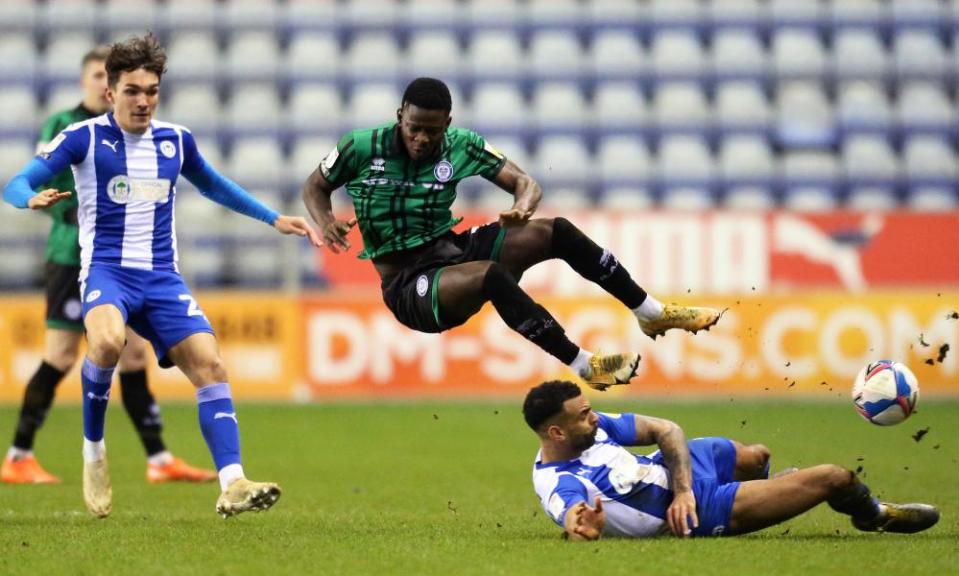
(218, 424)
(96, 394)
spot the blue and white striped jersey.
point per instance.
(634, 489)
(125, 185)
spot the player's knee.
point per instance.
(836, 477)
(104, 347)
(133, 358)
(215, 369)
(62, 357)
(496, 277)
(762, 454)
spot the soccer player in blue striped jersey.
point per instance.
(590, 485)
(126, 165)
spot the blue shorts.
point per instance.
(156, 304)
(714, 485)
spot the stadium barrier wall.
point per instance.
(346, 345)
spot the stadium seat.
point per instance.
(554, 54)
(250, 14)
(210, 150)
(929, 161)
(809, 199)
(484, 14)
(687, 198)
(620, 107)
(372, 104)
(372, 13)
(499, 106)
(18, 58)
(924, 107)
(310, 16)
(676, 13)
(196, 106)
(314, 108)
(550, 13)
(859, 54)
(804, 117)
(808, 169)
(680, 107)
(738, 54)
(565, 201)
(919, 55)
(18, 105)
(562, 161)
(79, 15)
(514, 150)
(869, 161)
(933, 199)
(917, 13)
(863, 107)
(431, 14)
(253, 108)
(373, 56)
(742, 14)
(796, 13)
(130, 14)
(559, 106)
(746, 160)
(15, 153)
(306, 156)
(677, 55)
(616, 54)
(253, 56)
(436, 54)
(749, 198)
(495, 54)
(193, 56)
(615, 13)
(856, 13)
(684, 162)
(624, 162)
(181, 15)
(871, 199)
(62, 97)
(313, 56)
(257, 162)
(61, 60)
(742, 107)
(19, 15)
(620, 199)
(798, 54)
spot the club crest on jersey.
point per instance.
(168, 149)
(378, 165)
(119, 189)
(443, 171)
(422, 285)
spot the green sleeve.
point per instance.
(339, 166)
(481, 158)
(53, 126)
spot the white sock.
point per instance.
(160, 458)
(230, 473)
(581, 364)
(15, 453)
(650, 309)
(94, 451)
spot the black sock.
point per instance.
(858, 502)
(37, 399)
(522, 314)
(143, 410)
(594, 263)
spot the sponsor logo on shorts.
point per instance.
(719, 530)
(168, 149)
(443, 171)
(422, 285)
(72, 309)
(93, 295)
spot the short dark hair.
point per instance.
(135, 53)
(546, 400)
(96, 54)
(429, 94)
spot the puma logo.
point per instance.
(113, 146)
(230, 415)
(104, 398)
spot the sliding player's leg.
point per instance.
(547, 238)
(462, 289)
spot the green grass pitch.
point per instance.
(445, 488)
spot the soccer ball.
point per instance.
(885, 392)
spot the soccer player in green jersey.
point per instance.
(402, 177)
(65, 326)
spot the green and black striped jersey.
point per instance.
(401, 203)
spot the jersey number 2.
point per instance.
(193, 309)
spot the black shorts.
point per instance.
(62, 286)
(412, 294)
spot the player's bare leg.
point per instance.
(198, 357)
(464, 288)
(763, 503)
(106, 335)
(20, 466)
(547, 238)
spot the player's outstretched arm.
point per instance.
(19, 191)
(681, 515)
(525, 190)
(585, 523)
(317, 192)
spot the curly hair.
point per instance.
(428, 94)
(546, 400)
(135, 53)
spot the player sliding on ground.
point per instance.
(592, 486)
(402, 177)
(126, 165)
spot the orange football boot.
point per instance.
(26, 470)
(178, 471)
